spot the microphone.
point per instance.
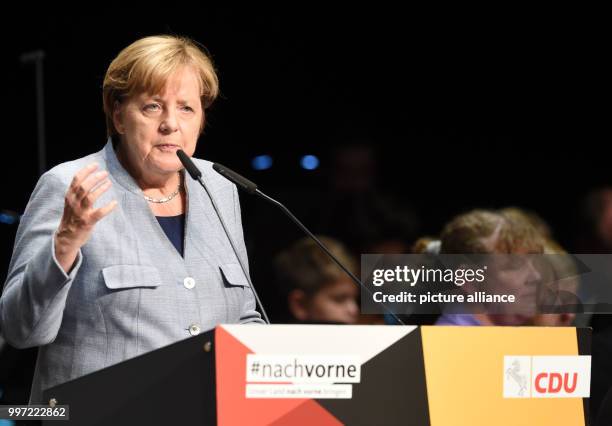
(251, 188)
(196, 174)
(240, 181)
(191, 168)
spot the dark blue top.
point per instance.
(174, 227)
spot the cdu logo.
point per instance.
(517, 375)
(562, 376)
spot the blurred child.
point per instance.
(318, 290)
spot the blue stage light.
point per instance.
(262, 162)
(309, 162)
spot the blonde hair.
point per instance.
(467, 233)
(531, 217)
(145, 66)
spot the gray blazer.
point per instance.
(130, 291)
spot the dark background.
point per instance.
(457, 113)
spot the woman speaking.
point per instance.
(117, 253)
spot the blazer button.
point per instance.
(194, 329)
(189, 283)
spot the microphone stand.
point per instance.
(231, 241)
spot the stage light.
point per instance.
(261, 162)
(309, 162)
(9, 217)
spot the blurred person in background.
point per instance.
(318, 291)
(595, 233)
(489, 232)
(360, 211)
(595, 237)
(511, 231)
(559, 272)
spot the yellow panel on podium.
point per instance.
(506, 375)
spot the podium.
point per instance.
(355, 375)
